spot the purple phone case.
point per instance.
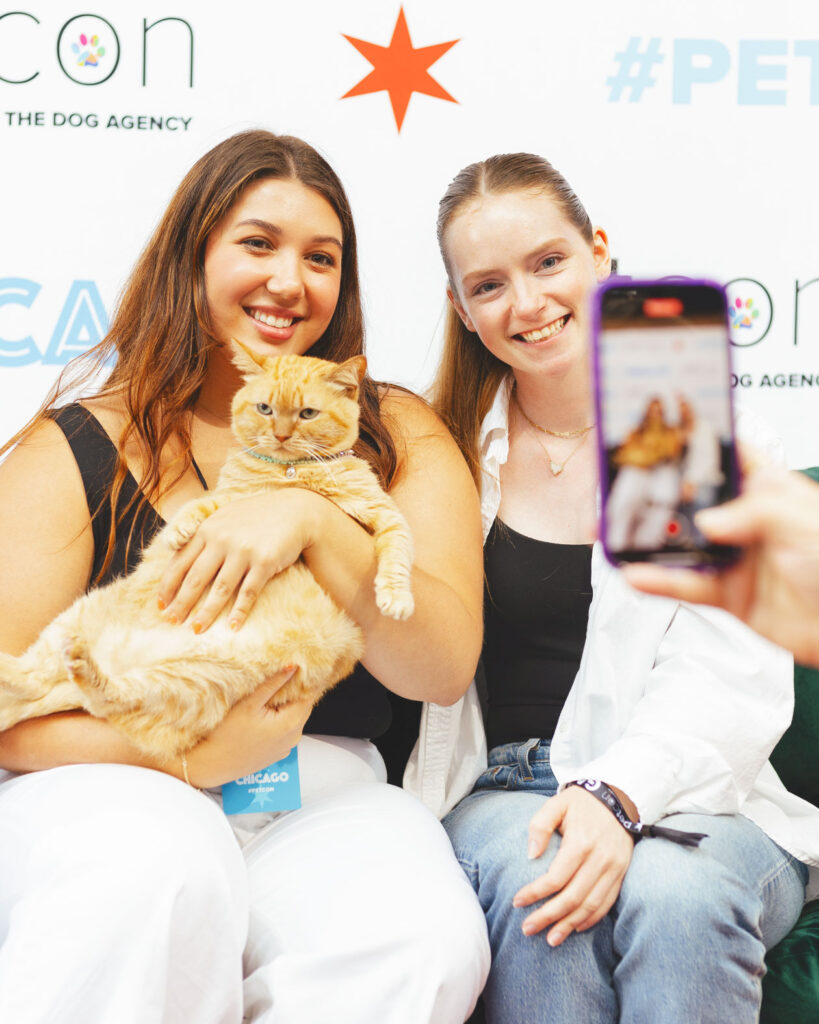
(602, 462)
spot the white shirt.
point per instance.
(678, 705)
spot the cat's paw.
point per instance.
(75, 659)
(397, 604)
(177, 535)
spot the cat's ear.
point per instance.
(248, 363)
(350, 373)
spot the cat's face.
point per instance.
(296, 407)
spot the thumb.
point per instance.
(740, 521)
(544, 823)
(267, 690)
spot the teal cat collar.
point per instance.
(636, 829)
(292, 463)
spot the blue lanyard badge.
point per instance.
(275, 788)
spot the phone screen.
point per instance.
(665, 423)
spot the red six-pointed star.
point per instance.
(399, 69)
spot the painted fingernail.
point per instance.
(555, 938)
(233, 624)
(172, 617)
(290, 670)
(532, 849)
(197, 627)
(161, 604)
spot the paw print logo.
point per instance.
(743, 313)
(750, 311)
(88, 50)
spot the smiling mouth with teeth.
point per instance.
(272, 321)
(546, 332)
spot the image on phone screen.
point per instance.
(665, 423)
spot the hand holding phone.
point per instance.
(662, 370)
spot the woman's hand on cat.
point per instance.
(250, 737)
(234, 552)
(584, 879)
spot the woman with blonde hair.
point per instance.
(633, 851)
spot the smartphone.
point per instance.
(662, 373)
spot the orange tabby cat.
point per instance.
(166, 688)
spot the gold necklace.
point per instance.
(556, 468)
(566, 434)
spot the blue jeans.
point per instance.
(684, 943)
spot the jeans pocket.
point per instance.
(495, 777)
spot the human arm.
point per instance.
(432, 655)
(250, 737)
(698, 702)
(686, 710)
(690, 730)
(775, 586)
(46, 554)
(686, 713)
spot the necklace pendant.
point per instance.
(290, 472)
(556, 467)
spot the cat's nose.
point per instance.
(283, 437)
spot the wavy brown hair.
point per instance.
(468, 374)
(161, 336)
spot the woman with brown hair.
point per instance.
(606, 712)
(124, 894)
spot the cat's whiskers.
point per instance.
(321, 452)
(324, 454)
(258, 446)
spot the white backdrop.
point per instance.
(688, 130)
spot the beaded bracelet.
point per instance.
(636, 829)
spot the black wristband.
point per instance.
(635, 829)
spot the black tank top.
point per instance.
(536, 607)
(359, 706)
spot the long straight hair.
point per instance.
(161, 335)
(468, 375)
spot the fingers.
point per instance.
(584, 878)
(176, 571)
(581, 904)
(682, 584)
(232, 574)
(292, 717)
(199, 572)
(740, 521)
(543, 824)
(592, 909)
(192, 571)
(563, 868)
(249, 591)
(289, 720)
(187, 580)
(265, 691)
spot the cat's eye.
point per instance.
(264, 409)
(309, 414)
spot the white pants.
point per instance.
(126, 899)
(640, 505)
